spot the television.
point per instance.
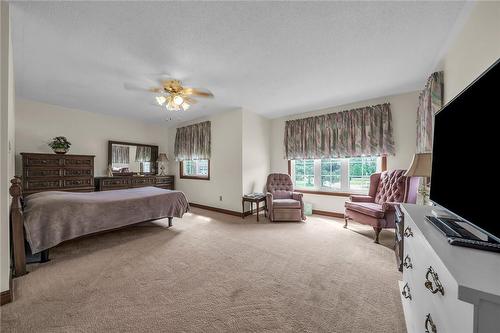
(465, 171)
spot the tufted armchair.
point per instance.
(387, 189)
(282, 203)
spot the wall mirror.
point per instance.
(127, 158)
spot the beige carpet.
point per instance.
(214, 273)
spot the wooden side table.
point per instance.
(252, 199)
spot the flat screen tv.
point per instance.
(465, 171)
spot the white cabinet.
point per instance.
(446, 288)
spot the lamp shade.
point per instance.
(162, 157)
(420, 166)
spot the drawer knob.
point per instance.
(407, 262)
(435, 285)
(429, 324)
(406, 291)
(408, 232)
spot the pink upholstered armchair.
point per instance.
(283, 204)
(377, 208)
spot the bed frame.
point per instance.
(18, 240)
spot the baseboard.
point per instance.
(6, 296)
(326, 213)
(222, 210)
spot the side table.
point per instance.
(252, 199)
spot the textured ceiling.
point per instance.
(274, 58)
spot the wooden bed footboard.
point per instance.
(17, 228)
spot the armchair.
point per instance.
(282, 203)
(387, 189)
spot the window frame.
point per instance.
(323, 191)
(201, 177)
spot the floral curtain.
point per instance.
(193, 142)
(143, 154)
(430, 102)
(120, 154)
(364, 131)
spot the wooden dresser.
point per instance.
(122, 182)
(445, 288)
(53, 172)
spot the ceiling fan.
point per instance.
(175, 97)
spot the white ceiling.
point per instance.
(274, 58)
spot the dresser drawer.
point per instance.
(43, 161)
(78, 182)
(78, 172)
(78, 161)
(164, 180)
(143, 181)
(39, 185)
(43, 172)
(434, 289)
(114, 183)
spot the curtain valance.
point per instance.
(193, 142)
(430, 102)
(364, 131)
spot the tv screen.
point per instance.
(465, 170)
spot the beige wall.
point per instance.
(474, 49)
(225, 164)
(256, 148)
(7, 140)
(404, 116)
(88, 132)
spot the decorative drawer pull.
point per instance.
(429, 324)
(408, 232)
(435, 285)
(406, 291)
(407, 262)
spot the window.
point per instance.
(347, 175)
(145, 167)
(195, 169)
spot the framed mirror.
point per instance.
(127, 158)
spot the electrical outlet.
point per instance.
(220, 198)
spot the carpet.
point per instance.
(212, 272)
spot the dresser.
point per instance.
(53, 172)
(446, 288)
(122, 182)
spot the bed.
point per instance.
(46, 219)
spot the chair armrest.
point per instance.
(297, 196)
(390, 206)
(269, 200)
(361, 198)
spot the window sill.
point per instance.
(331, 193)
(195, 177)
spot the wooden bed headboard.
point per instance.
(17, 228)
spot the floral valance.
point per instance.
(430, 102)
(365, 131)
(193, 142)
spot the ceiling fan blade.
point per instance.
(190, 100)
(197, 92)
(133, 87)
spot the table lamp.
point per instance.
(421, 166)
(162, 160)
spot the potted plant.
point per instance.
(60, 145)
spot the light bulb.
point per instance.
(185, 106)
(178, 100)
(160, 99)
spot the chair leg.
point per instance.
(377, 233)
(345, 225)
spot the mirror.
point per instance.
(126, 158)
